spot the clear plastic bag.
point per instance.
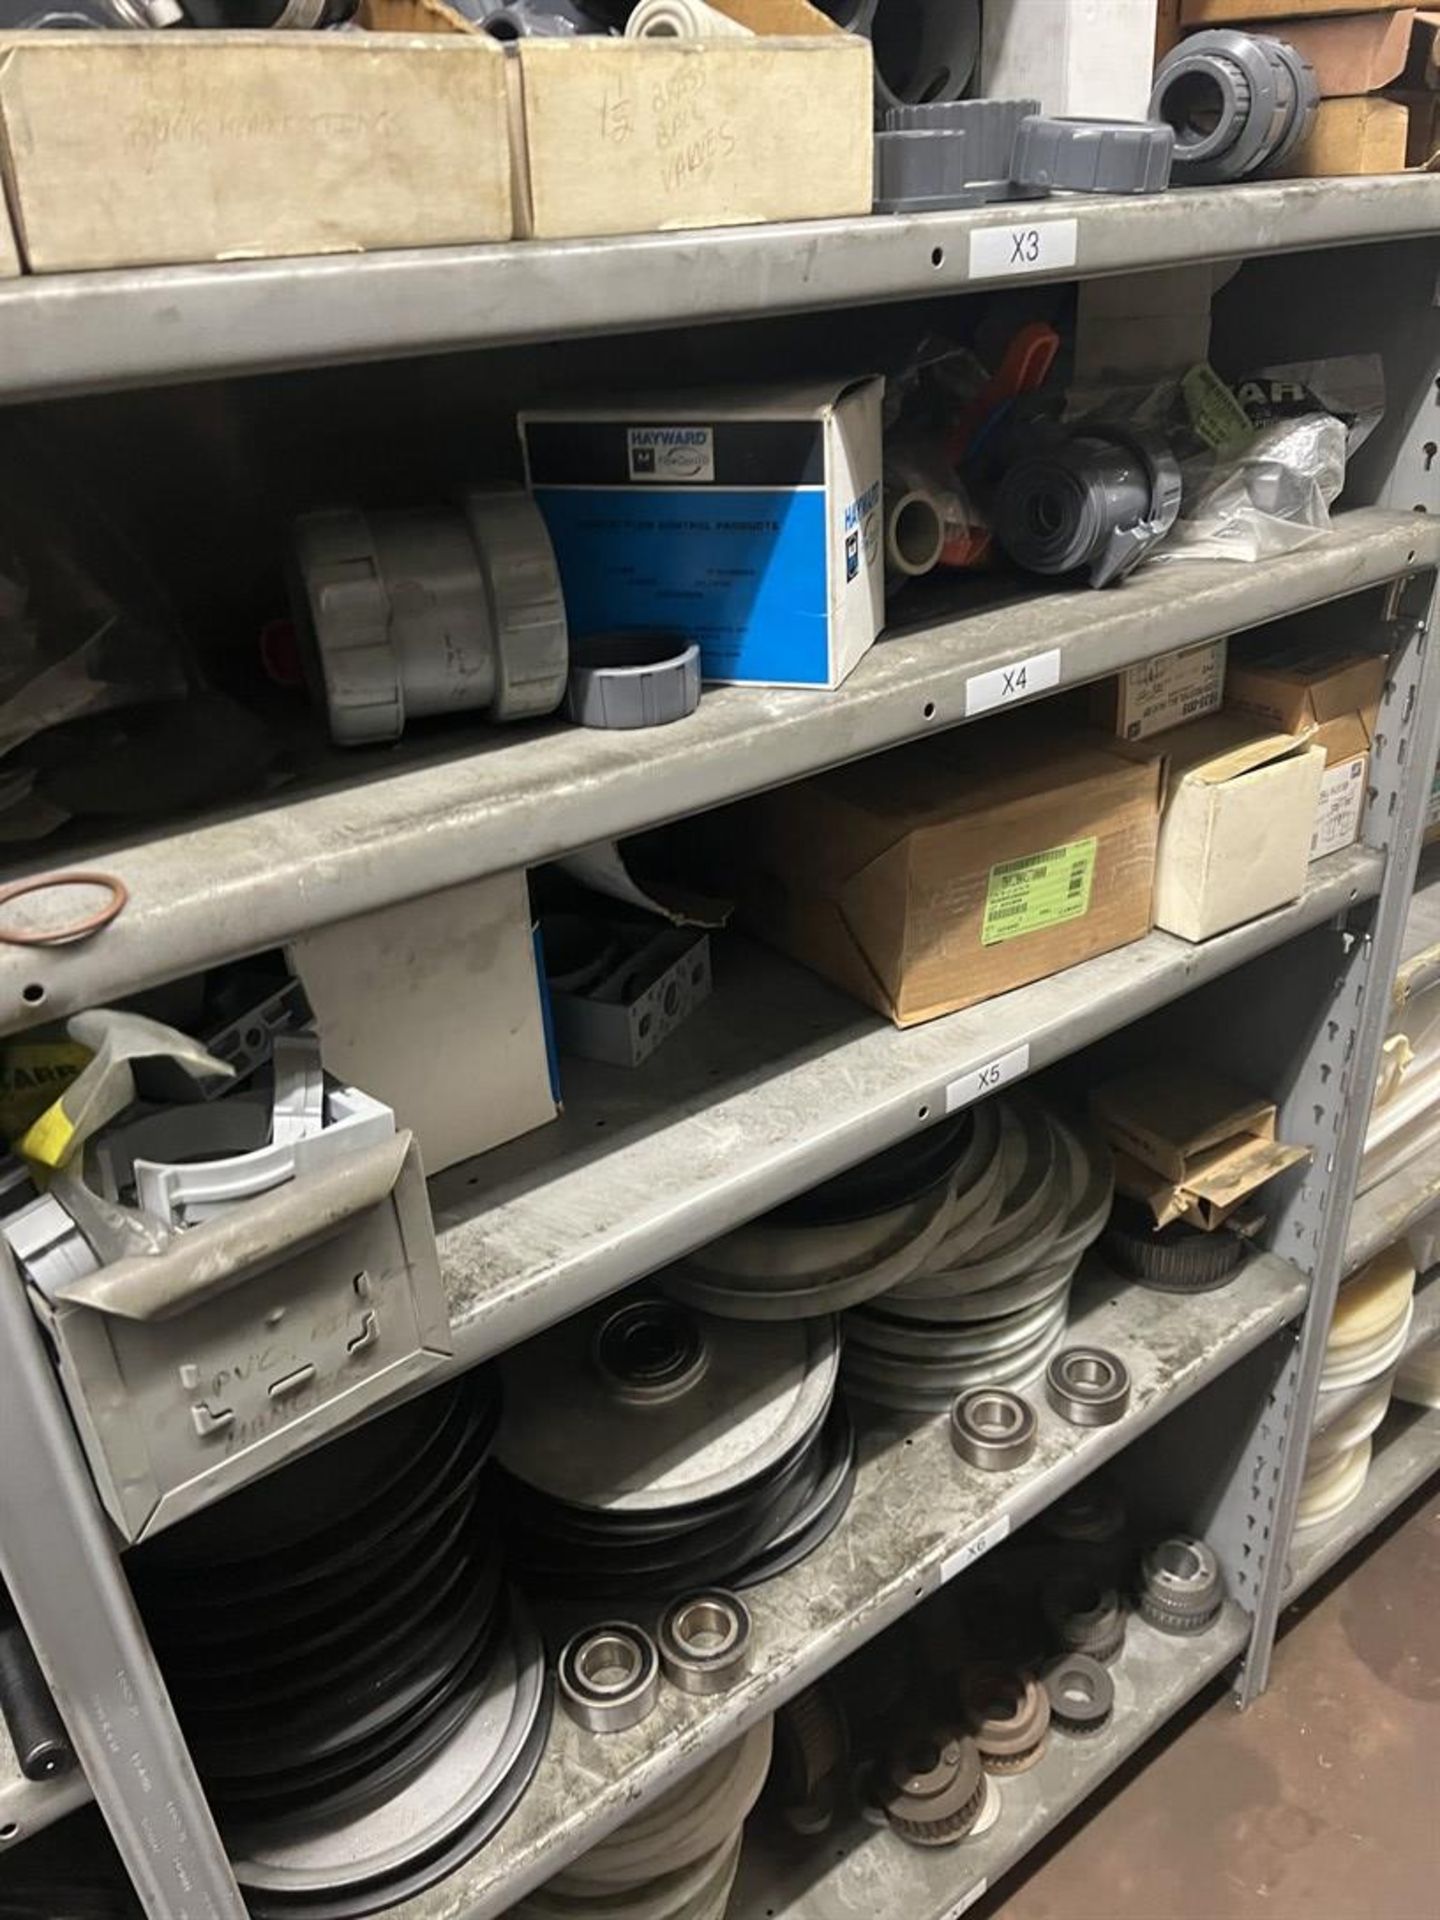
(1270, 498)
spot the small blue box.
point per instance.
(749, 521)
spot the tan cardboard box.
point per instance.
(936, 876)
(1360, 134)
(648, 136)
(1229, 13)
(9, 252)
(1155, 695)
(1353, 52)
(1336, 702)
(141, 149)
(1235, 829)
(1191, 1144)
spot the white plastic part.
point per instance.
(1372, 1301)
(1325, 1494)
(49, 1247)
(1346, 1432)
(682, 20)
(1370, 1359)
(914, 531)
(184, 1194)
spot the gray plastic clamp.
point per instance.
(1093, 156)
(1239, 104)
(956, 153)
(633, 679)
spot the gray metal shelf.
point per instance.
(1424, 1327)
(28, 1805)
(393, 825)
(70, 333)
(777, 1083)
(918, 1514)
(861, 1872)
(1407, 1454)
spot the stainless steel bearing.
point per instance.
(993, 1428)
(609, 1676)
(704, 1641)
(1088, 1386)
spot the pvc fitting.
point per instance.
(925, 50)
(948, 153)
(914, 529)
(1098, 499)
(1239, 103)
(1092, 156)
(633, 679)
(537, 20)
(405, 615)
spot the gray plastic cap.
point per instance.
(633, 679)
(1093, 156)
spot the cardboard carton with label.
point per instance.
(1335, 701)
(936, 876)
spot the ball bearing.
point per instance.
(609, 1676)
(704, 1641)
(993, 1428)
(1088, 1386)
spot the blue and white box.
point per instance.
(748, 520)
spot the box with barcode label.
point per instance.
(1154, 695)
(935, 876)
(747, 519)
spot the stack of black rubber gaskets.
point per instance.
(651, 1449)
(989, 1302)
(365, 1698)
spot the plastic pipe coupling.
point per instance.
(1240, 104)
(446, 610)
(1097, 500)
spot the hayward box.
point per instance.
(748, 521)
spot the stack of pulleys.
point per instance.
(364, 1698)
(677, 1859)
(842, 1242)
(991, 1302)
(651, 1449)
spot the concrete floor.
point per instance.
(1320, 1803)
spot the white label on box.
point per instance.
(972, 1086)
(1171, 689)
(967, 1555)
(1337, 816)
(967, 1900)
(1045, 246)
(1003, 686)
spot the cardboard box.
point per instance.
(935, 876)
(1155, 695)
(1230, 13)
(1335, 702)
(434, 1007)
(1422, 139)
(142, 149)
(747, 520)
(1422, 67)
(1235, 830)
(647, 136)
(9, 252)
(1087, 58)
(1356, 135)
(1353, 52)
(1191, 1144)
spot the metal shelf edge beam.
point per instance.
(214, 891)
(71, 333)
(918, 1517)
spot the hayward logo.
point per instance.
(671, 453)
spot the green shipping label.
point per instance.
(1042, 890)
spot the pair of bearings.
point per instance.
(993, 1429)
(610, 1675)
(1088, 1386)
(1182, 1588)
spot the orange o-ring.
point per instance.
(78, 929)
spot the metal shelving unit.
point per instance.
(779, 1082)
(210, 891)
(916, 1519)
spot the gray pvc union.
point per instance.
(1239, 104)
(1092, 156)
(1099, 499)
